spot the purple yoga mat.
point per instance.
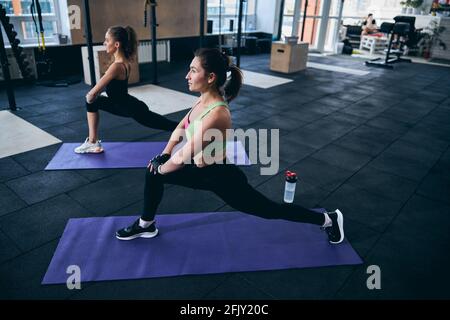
(126, 155)
(192, 243)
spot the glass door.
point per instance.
(333, 27)
(319, 27)
(309, 26)
(288, 18)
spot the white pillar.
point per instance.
(296, 19)
(323, 25)
(336, 34)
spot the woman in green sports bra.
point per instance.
(185, 165)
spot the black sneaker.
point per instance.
(336, 231)
(135, 231)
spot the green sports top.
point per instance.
(193, 125)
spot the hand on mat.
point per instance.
(158, 161)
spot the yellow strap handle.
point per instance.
(43, 41)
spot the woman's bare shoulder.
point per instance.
(115, 68)
(220, 114)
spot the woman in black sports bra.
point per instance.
(122, 43)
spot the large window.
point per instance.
(332, 34)
(20, 16)
(312, 22)
(224, 15)
(321, 21)
(288, 18)
(384, 10)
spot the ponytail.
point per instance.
(233, 84)
(127, 39)
(131, 49)
(216, 62)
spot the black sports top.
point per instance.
(118, 89)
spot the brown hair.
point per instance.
(214, 61)
(127, 39)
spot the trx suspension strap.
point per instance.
(152, 4)
(33, 13)
(43, 64)
(36, 8)
(41, 26)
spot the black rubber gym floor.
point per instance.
(375, 146)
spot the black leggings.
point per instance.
(231, 185)
(132, 107)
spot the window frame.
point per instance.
(246, 18)
(18, 22)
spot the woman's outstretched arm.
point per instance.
(113, 72)
(217, 119)
(176, 136)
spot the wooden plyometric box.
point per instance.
(288, 57)
(102, 61)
